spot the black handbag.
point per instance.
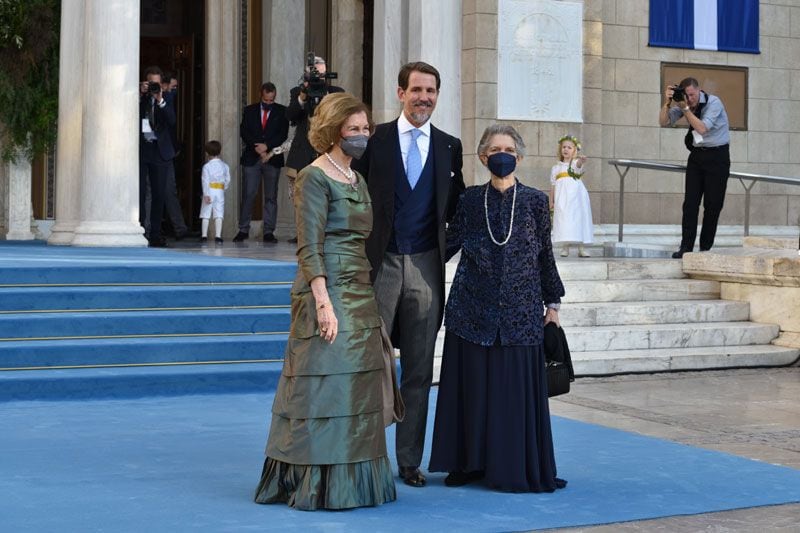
(557, 379)
(558, 361)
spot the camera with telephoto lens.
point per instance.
(678, 93)
(153, 88)
(317, 86)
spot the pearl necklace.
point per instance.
(486, 211)
(349, 174)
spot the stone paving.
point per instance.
(752, 413)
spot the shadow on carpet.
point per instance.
(191, 463)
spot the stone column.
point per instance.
(68, 148)
(284, 59)
(284, 42)
(18, 200)
(3, 199)
(223, 95)
(347, 51)
(479, 87)
(388, 55)
(109, 214)
(434, 36)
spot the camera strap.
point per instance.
(688, 140)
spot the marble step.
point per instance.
(652, 312)
(656, 336)
(619, 269)
(635, 291)
(603, 363)
(590, 269)
(606, 363)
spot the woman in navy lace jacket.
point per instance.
(492, 413)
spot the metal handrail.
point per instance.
(671, 167)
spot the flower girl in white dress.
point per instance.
(569, 199)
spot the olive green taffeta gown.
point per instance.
(327, 446)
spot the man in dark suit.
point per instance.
(263, 129)
(156, 151)
(413, 171)
(172, 205)
(301, 107)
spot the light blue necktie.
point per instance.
(413, 159)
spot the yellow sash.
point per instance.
(217, 186)
(562, 175)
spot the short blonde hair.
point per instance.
(331, 113)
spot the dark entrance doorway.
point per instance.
(172, 37)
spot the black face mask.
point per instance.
(354, 145)
(501, 164)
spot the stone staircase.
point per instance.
(645, 315)
(78, 323)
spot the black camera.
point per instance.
(153, 88)
(678, 93)
(317, 86)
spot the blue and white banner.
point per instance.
(726, 25)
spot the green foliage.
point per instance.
(29, 38)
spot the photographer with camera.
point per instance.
(303, 101)
(156, 150)
(709, 163)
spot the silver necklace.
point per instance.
(486, 212)
(349, 174)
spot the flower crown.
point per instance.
(574, 140)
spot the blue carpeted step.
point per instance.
(138, 382)
(49, 265)
(141, 350)
(143, 297)
(149, 323)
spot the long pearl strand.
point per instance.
(349, 174)
(486, 211)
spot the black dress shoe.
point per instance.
(458, 479)
(160, 242)
(270, 238)
(293, 240)
(411, 475)
(679, 253)
(560, 483)
(240, 237)
(218, 240)
(203, 240)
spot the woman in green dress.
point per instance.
(327, 446)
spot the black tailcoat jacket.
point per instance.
(378, 165)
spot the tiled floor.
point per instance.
(753, 413)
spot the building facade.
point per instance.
(237, 44)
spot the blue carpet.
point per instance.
(35, 265)
(191, 464)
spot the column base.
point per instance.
(62, 233)
(20, 235)
(116, 234)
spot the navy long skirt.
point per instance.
(492, 414)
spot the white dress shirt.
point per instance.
(404, 128)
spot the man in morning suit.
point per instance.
(413, 171)
(264, 127)
(156, 151)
